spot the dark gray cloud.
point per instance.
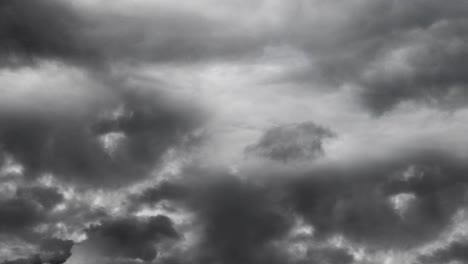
(40, 29)
(115, 138)
(55, 251)
(239, 223)
(27, 208)
(103, 146)
(362, 202)
(50, 251)
(329, 256)
(93, 148)
(58, 30)
(357, 203)
(129, 238)
(239, 220)
(20, 215)
(32, 260)
(296, 142)
(394, 51)
(47, 197)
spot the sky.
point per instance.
(233, 132)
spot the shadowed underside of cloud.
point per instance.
(329, 256)
(40, 29)
(108, 147)
(370, 206)
(239, 223)
(19, 217)
(399, 203)
(22, 213)
(129, 238)
(243, 219)
(238, 220)
(93, 131)
(27, 208)
(51, 251)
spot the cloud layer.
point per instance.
(233, 132)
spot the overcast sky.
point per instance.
(233, 131)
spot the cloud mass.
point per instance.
(226, 132)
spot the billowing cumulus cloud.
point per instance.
(240, 224)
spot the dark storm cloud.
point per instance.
(357, 202)
(239, 223)
(164, 191)
(39, 29)
(58, 30)
(132, 238)
(297, 142)
(241, 218)
(435, 72)
(158, 35)
(73, 147)
(55, 251)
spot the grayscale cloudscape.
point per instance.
(229, 132)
